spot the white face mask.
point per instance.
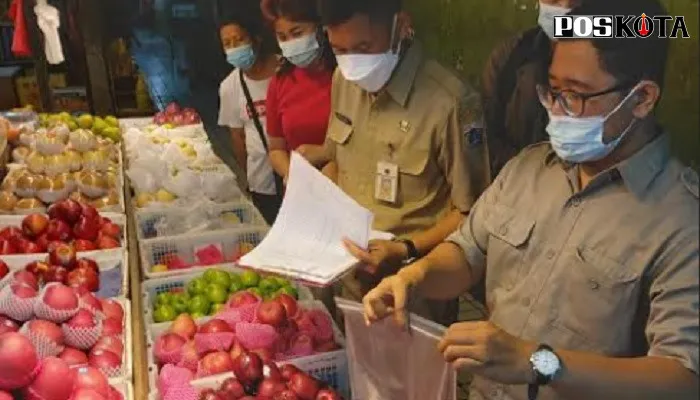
(301, 51)
(580, 140)
(547, 14)
(370, 71)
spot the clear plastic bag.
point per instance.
(388, 363)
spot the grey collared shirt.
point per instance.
(611, 269)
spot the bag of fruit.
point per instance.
(387, 362)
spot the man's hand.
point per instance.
(314, 154)
(482, 348)
(388, 298)
(379, 254)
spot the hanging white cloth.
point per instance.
(49, 21)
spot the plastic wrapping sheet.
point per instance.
(388, 363)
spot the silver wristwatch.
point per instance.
(547, 366)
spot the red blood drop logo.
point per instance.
(644, 30)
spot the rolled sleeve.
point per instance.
(463, 152)
(673, 328)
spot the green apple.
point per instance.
(268, 285)
(256, 291)
(250, 279)
(218, 276)
(216, 308)
(180, 302)
(85, 121)
(196, 286)
(164, 298)
(292, 291)
(164, 313)
(199, 304)
(235, 287)
(112, 121)
(217, 294)
(235, 278)
(282, 281)
(197, 315)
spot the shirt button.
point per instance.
(550, 254)
(593, 284)
(503, 230)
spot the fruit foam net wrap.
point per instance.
(164, 356)
(44, 311)
(208, 342)
(315, 323)
(82, 338)
(44, 346)
(234, 315)
(16, 307)
(256, 336)
(9, 384)
(172, 376)
(113, 372)
(182, 392)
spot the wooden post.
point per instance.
(99, 89)
(36, 41)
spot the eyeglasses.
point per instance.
(573, 103)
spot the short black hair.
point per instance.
(334, 12)
(629, 60)
(248, 15)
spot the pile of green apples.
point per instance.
(107, 126)
(207, 294)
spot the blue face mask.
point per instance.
(547, 14)
(242, 57)
(580, 140)
(301, 51)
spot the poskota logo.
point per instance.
(619, 26)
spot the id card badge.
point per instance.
(386, 186)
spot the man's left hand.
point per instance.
(379, 253)
(482, 348)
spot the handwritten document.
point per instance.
(305, 241)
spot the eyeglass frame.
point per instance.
(556, 96)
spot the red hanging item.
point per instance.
(20, 40)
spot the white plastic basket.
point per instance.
(124, 387)
(152, 288)
(159, 250)
(331, 367)
(109, 262)
(148, 220)
(127, 371)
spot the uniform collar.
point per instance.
(638, 171)
(401, 83)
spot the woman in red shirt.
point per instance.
(299, 96)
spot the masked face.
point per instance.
(301, 51)
(547, 14)
(242, 57)
(582, 139)
(360, 62)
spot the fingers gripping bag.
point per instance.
(389, 363)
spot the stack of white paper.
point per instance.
(305, 242)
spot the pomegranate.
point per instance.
(93, 379)
(53, 382)
(73, 357)
(18, 359)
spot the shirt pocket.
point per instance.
(599, 301)
(509, 240)
(339, 131)
(414, 184)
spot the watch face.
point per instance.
(546, 362)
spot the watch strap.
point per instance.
(412, 252)
(533, 389)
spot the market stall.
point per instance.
(119, 243)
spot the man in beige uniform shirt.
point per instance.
(405, 136)
(588, 245)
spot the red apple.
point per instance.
(210, 394)
(53, 244)
(289, 370)
(216, 363)
(84, 277)
(232, 388)
(43, 242)
(83, 319)
(34, 225)
(112, 309)
(10, 232)
(112, 327)
(285, 395)
(270, 370)
(107, 242)
(37, 268)
(59, 230)
(184, 326)
(289, 303)
(23, 291)
(64, 256)
(7, 325)
(7, 247)
(84, 245)
(104, 359)
(110, 343)
(73, 357)
(86, 263)
(4, 270)
(27, 278)
(67, 210)
(248, 368)
(215, 326)
(89, 300)
(160, 118)
(104, 220)
(269, 387)
(31, 248)
(112, 230)
(172, 109)
(236, 350)
(264, 354)
(272, 313)
(241, 299)
(90, 212)
(86, 228)
(56, 274)
(328, 394)
(304, 386)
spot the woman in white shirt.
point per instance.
(251, 49)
